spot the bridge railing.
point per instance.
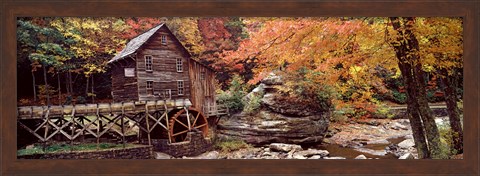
(216, 110)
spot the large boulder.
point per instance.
(276, 121)
(272, 103)
(407, 143)
(267, 127)
(206, 155)
(313, 152)
(284, 147)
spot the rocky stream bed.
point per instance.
(369, 139)
(280, 130)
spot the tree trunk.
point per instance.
(59, 90)
(431, 130)
(93, 97)
(86, 88)
(413, 112)
(406, 49)
(453, 112)
(67, 88)
(34, 87)
(70, 82)
(46, 84)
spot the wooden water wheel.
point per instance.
(184, 121)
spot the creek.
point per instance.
(368, 150)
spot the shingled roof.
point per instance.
(135, 43)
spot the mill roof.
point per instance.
(134, 44)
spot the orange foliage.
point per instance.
(343, 53)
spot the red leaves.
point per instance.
(213, 29)
(139, 25)
(238, 67)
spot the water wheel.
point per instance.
(184, 121)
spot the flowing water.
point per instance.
(369, 150)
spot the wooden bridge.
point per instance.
(170, 119)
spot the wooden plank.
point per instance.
(157, 121)
(58, 129)
(148, 126)
(123, 131)
(31, 131)
(86, 128)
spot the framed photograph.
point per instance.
(199, 87)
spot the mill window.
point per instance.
(148, 63)
(179, 65)
(180, 87)
(164, 39)
(150, 87)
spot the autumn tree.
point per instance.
(347, 54)
(95, 41)
(340, 53)
(42, 42)
(423, 124)
(220, 35)
(187, 32)
(441, 46)
(138, 25)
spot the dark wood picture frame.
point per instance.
(10, 10)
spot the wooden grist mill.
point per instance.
(159, 92)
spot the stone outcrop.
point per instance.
(276, 121)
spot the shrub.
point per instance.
(433, 98)
(399, 97)
(446, 141)
(460, 105)
(253, 103)
(43, 91)
(339, 116)
(68, 100)
(303, 87)
(229, 145)
(24, 101)
(81, 100)
(232, 98)
(383, 111)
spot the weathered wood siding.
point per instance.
(203, 86)
(198, 80)
(123, 88)
(164, 74)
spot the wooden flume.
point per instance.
(117, 119)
